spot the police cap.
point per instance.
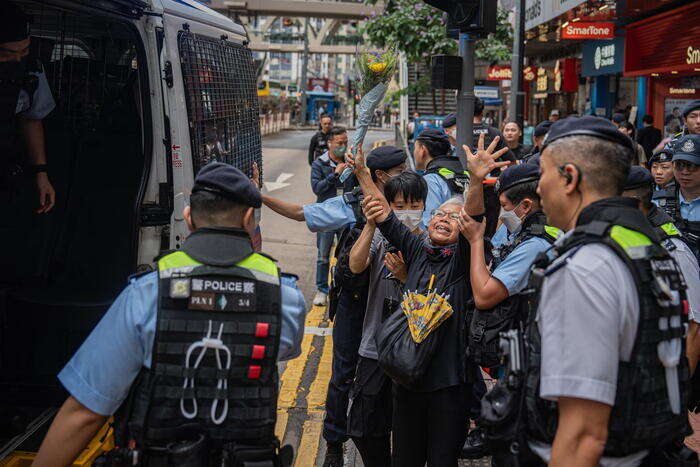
(436, 136)
(663, 155)
(618, 118)
(517, 175)
(691, 106)
(229, 182)
(542, 128)
(14, 25)
(450, 120)
(638, 177)
(688, 149)
(588, 125)
(385, 157)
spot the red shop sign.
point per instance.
(581, 30)
(665, 42)
(499, 73)
(530, 73)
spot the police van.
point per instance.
(147, 92)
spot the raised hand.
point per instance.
(358, 160)
(396, 265)
(471, 229)
(373, 210)
(255, 179)
(484, 161)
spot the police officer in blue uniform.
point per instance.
(661, 167)
(347, 304)
(191, 348)
(25, 100)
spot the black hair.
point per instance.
(643, 194)
(519, 192)
(436, 148)
(214, 209)
(512, 121)
(324, 116)
(478, 106)
(628, 126)
(409, 184)
(648, 119)
(335, 131)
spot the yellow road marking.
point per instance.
(316, 316)
(317, 392)
(281, 424)
(291, 378)
(308, 445)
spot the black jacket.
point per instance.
(491, 133)
(649, 137)
(318, 145)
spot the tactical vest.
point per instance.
(641, 417)
(665, 228)
(486, 325)
(450, 169)
(214, 368)
(668, 201)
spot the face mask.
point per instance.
(411, 218)
(511, 220)
(340, 151)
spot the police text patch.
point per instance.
(223, 286)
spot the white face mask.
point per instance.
(511, 220)
(411, 218)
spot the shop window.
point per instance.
(222, 101)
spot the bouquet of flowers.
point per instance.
(375, 70)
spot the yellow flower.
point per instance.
(377, 67)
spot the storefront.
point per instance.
(664, 52)
(555, 86)
(602, 63)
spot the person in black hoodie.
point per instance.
(430, 417)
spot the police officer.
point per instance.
(598, 345)
(682, 202)
(499, 305)
(319, 141)
(25, 100)
(195, 344)
(443, 172)
(348, 307)
(691, 117)
(661, 166)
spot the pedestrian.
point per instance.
(682, 201)
(538, 137)
(497, 291)
(673, 122)
(618, 119)
(27, 100)
(648, 136)
(430, 416)
(662, 170)
(443, 172)
(326, 183)
(370, 413)
(319, 141)
(554, 115)
(528, 131)
(512, 135)
(596, 353)
(229, 410)
(342, 212)
(479, 127)
(640, 157)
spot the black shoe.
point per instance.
(334, 455)
(475, 445)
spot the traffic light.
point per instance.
(477, 17)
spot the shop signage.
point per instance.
(541, 95)
(541, 11)
(681, 90)
(502, 73)
(604, 57)
(490, 95)
(566, 75)
(582, 30)
(664, 42)
(541, 80)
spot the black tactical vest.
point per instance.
(486, 325)
(641, 417)
(213, 369)
(451, 170)
(668, 201)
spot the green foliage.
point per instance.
(498, 46)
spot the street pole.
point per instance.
(465, 98)
(304, 73)
(516, 106)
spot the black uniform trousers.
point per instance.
(347, 333)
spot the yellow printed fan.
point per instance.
(425, 313)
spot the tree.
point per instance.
(419, 31)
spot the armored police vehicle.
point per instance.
(146, 92)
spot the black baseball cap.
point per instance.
(450, 120)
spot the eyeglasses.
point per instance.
(439, 213)
(685, 165)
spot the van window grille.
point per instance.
(222, 101)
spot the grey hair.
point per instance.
(458, 200)
(604, 165)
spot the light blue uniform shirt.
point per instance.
(690, 210)
(500, 236)
(101, 372)
(438, 193)
(42, 102)
(514, 270)
(330, 215)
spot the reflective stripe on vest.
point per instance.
(263, 268)
(670, 229)
(634, 243)
(552, 231)
(448, 174)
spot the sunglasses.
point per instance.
(685, 165)
(439, 213)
